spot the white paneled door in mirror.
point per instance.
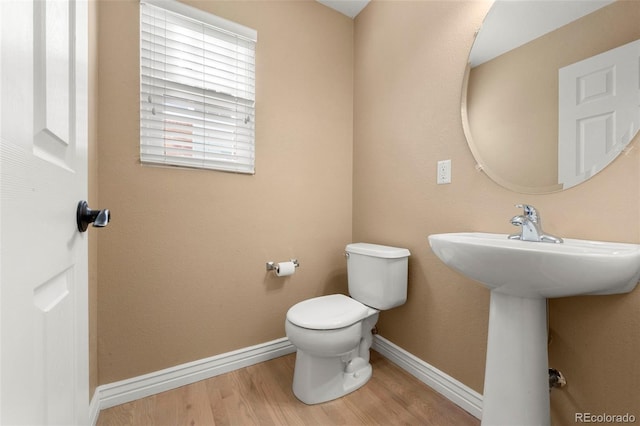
(599, 111)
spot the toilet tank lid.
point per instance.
(328, 312)
(377, 250)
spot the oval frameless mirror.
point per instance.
(542, 106)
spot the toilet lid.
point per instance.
(328, 312)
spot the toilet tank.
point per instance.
(377, 274)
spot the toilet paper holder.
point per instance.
(271, 266)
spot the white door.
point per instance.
(43, 169)
(599, 111)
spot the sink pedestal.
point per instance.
(516, 384)
(522, 275)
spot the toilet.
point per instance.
(332, 334)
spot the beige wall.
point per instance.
(512, 101)
(181, 268)
(182, 265)
(409, 68)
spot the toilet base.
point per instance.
(320, 379)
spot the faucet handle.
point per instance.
(530, 212)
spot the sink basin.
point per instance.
(521, 276)
(535, 269)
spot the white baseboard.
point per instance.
(129, 390)
(94, 408)
(135, 388)
(455, 391)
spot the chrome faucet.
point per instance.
(531, 225)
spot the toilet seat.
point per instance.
(328, 312)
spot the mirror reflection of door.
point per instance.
(598, 111)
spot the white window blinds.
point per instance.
(197, 89)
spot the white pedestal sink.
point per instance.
(521, 276)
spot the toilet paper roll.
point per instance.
(284, 269)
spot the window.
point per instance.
(197, 89)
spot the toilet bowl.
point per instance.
(333, 334)
(330, 362)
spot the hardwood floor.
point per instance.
(261, 395)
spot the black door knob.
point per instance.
(85, 216)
